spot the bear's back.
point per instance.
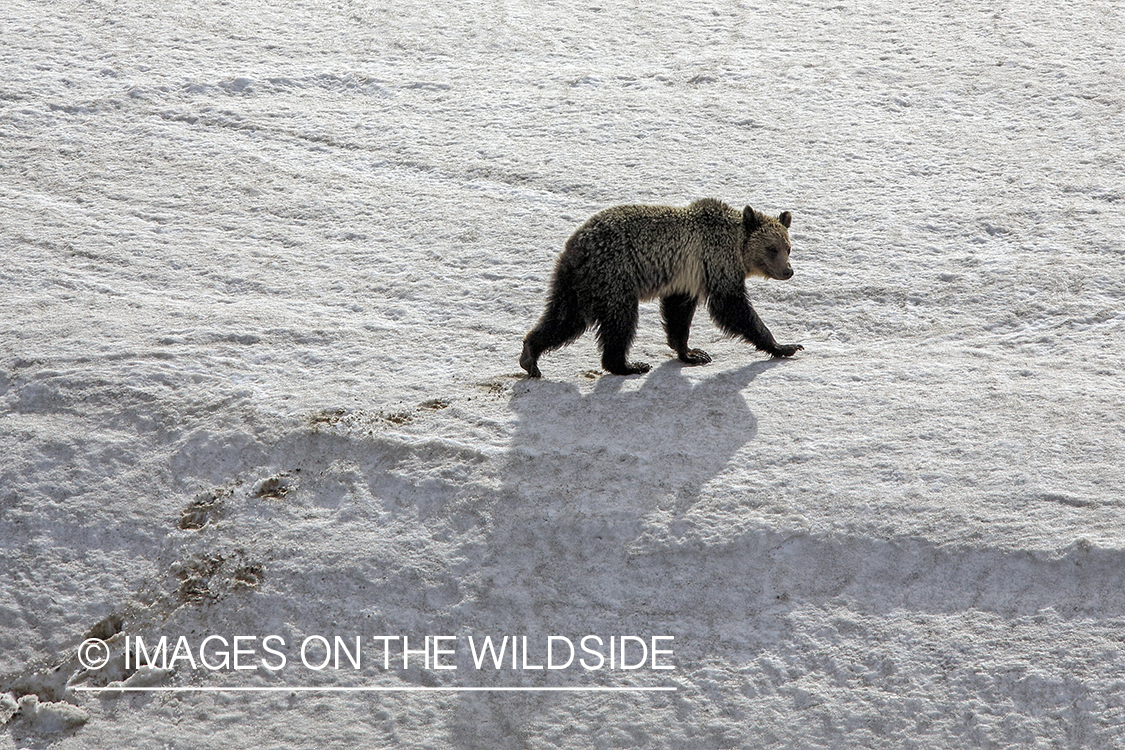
(652, 250)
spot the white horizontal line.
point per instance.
(369, 689)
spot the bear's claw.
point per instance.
(631, 368)
(695, 357)
(786, 350)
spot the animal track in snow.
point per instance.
(204, 508)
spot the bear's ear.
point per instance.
(786, 219)
(750, 219)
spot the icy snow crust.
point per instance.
(266, 268)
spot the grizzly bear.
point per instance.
(628, 254)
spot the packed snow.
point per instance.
(266, 269)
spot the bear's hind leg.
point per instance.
(615, 334)
(678, 310)
(529, 360)
(560, 325)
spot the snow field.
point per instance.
(265, 274)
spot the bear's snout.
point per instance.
(786, 274)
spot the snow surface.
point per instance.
(266, 268)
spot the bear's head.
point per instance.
(765, 244)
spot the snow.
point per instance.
(266, 269)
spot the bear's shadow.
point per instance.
(625, 447)
(588, 479)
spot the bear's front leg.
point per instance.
(734, 314)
